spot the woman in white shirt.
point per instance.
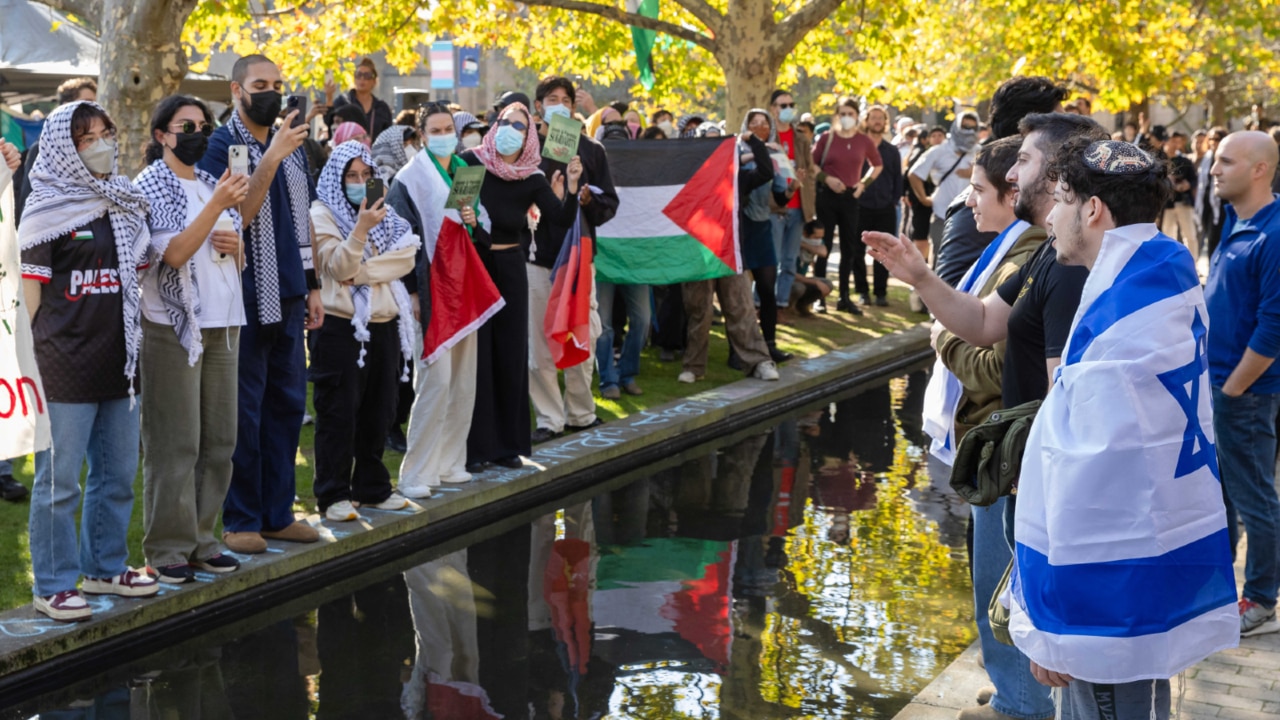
(192, 310)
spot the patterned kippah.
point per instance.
(1114, 157)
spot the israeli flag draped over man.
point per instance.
(1122, 566)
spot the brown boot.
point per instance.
(298, 532)
(248, 543)
(983, 712)
(985, 694)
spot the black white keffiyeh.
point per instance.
(179, 288)
(389, 153)
(262, 230)
(65, 196)
(392, 234)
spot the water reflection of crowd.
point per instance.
(566, 617)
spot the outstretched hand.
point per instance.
(899, 256)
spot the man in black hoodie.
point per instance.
(575, 409)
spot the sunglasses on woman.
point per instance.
(188, 127)
(517, 124)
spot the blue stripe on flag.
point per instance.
(1160, 269)
(1126, 598)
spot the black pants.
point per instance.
(840, 213)
(670, 324)
(878, 221)
(500, 424)
(354, 408)
(766, 288)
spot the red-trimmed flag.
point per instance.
(463, 295)
(567, 324)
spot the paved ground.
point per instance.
(1238, 684)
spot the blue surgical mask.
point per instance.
(787, 115)
(549, 109)
(442, 145)
(355, 193)
(509, 140)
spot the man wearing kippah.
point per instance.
(1243, 294)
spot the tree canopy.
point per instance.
(906, 51)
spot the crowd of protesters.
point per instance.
(187, 309)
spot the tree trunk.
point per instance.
(750, 53)
(142, 61)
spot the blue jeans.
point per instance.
(107, 435)
(786, 245)
(1245, 431)
(628, 367)
(1017, 692)
(272, 396)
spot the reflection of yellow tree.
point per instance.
(871, 623)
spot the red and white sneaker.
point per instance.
(130, 583)
(66, 606)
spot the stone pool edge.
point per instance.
(28, 641)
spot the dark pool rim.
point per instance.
(67, 668)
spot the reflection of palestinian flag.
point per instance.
(669, 585)
(677, 212)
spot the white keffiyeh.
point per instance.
(262, 230)
(179, 288)
(392, 234)
(65, 196)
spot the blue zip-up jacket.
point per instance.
(1243, 296)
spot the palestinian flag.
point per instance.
(567, 324)
(677, 217)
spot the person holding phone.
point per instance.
(281, 300)
(192, 310)
(84, 240)
(363, 248)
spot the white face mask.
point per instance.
(471, 141)
(848, 122)
(100, 157)
(667, 127)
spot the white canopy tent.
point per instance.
(40, 48)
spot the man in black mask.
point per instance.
(281, 296)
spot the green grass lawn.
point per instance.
(805, 337)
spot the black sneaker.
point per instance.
(542, 435)
(882, 301)
(515, 462)
(779, 356)
(735, 362)
(475, 467)
(396, 440)
(579, 428)
(845, 306)
(220, 563)
(179, 574)
(12, 490)
(866, 299)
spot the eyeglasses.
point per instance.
(365, 75)
(513, 123)
(358, 176)
(86, 140)
(187, 127)
(784, 106)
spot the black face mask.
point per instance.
(190, 147)
(263, 107)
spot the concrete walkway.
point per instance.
(1238, 684)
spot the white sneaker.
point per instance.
(130, 583)
(395, 502)
(687, 377)
(341, 511)
(766, 370)
(415, 490)
(456, 477)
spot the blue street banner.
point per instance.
(468, 67)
